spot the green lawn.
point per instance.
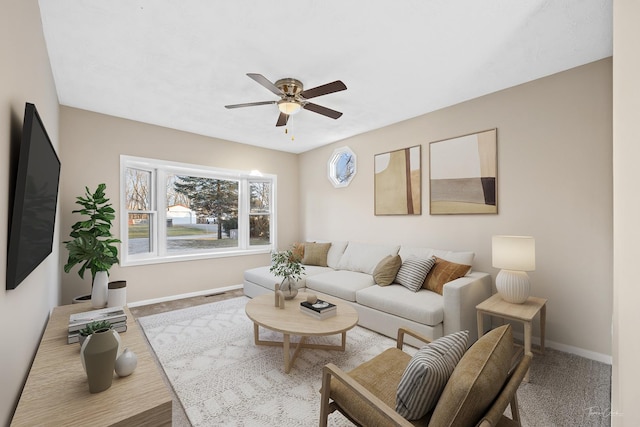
(142, 230)
(210, 241)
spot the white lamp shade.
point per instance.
(288, 107)
(514, 253)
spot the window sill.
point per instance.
(195, 257)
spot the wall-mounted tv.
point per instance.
(32, 219)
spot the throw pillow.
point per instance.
(443, 272)
(427, 374)
(413, 272)
(476, 381)
(385, 272)
(297, 251)
(316, 254)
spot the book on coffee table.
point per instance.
(319, 306)
(321, 316)
(320, 309)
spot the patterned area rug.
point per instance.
(222, 378)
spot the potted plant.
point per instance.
(93, 244)
(93, 327)
(288, 266)
(99, 348)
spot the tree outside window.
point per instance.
(193, 211)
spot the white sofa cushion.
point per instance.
(423, 306)
(263, 277)
(364, 257)
(341, 283)
(335, 253)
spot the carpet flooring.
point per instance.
(565, 390)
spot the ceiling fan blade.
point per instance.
(250, 104)
(266, 83)
(332, 87)
(322, 110)
(282, 119)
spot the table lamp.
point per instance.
(514, 255)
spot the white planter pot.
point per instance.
(100, 290)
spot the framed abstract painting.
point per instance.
(397, 183)
(463, 174)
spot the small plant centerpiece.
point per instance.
(93, 244)
(288, 266)
(92, 327)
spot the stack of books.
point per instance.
(114, 315)
(320, 309)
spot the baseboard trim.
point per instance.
(588, 354)
(592, 355)
(207, 292)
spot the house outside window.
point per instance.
(174, 211)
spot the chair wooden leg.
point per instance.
(515, 411)
(324, 397)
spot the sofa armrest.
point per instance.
(460, 299)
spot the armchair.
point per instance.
(480, 388)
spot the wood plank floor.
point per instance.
(147, 310)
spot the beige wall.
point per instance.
(626, 205)
(91, 148)
(25, 76)
(554, 183)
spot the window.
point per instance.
(174, 211)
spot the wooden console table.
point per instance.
(57, 392)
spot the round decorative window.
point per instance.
(341, 167)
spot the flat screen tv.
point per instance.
(32, 219)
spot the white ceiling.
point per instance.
(177, 63)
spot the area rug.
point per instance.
(222, 378)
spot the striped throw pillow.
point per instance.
(413, 271)
(427, 374)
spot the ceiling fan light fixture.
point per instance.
(288, 106)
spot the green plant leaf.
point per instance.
(92, 245)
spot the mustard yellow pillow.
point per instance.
(443, 272)
(481, 373)
(316, 254)
(385, 272)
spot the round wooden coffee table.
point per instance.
(291, 321)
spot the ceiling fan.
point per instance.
(293, 97)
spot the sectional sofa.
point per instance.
(350, 271)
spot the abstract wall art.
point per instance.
(463, 174)
(397, 183)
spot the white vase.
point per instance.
(289, 289)
(126, 363)
(117, 294)
(100, 290)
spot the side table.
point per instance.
(525, 312)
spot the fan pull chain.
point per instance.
(286, 131)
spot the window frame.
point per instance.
(160, 169)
